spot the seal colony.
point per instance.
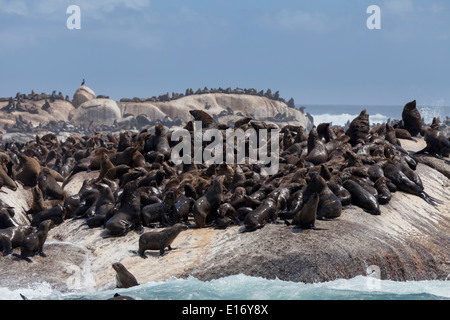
(321, 172)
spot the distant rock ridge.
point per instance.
(87, 112)
(189, 92)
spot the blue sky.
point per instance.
(318, 52)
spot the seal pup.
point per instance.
(155, 240)
(12, 237)
(208, 204)
(412, 121)
(124, 278)
(34, 243)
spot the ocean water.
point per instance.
(242, 287)
(340, 114)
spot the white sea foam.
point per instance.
(242, 287)
(341, 119)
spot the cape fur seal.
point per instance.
(257, 218)
(164, 212)
(438, 144)
(306, 217)
(359, 128)
(412, 121)
(34, 243)
(207, 205)
(29, 173)
(12, 237)
(124, 278)
(155, 240)
(103, 205)
(128, 216)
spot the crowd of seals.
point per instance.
(138, 186)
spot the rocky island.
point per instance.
(363, 216)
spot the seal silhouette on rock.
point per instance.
(124, 278)
(155, 240)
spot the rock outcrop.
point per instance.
(97, 112)
(82, 95)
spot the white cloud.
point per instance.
(398, 7)
(17, 7)
(295, 20)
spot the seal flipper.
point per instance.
(429, 199)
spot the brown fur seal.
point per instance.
(362, 198)
(207, 205)
(6, 180)
(317, 152)
(403, 183)
(103, 205)
(163, 212)
(154, 240)
(359, 128)
(29, 173)
(12, 237)
(6, 219)
(39, 204)
(258, 217)
(124, 278)
(330, 206)
(119, 297)
(412, 121)
(306, 217)
(34, 243)
(207, 121)
(105, 165)
(55, 214)
(128, 216)
(438, 144)
(49, 186)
